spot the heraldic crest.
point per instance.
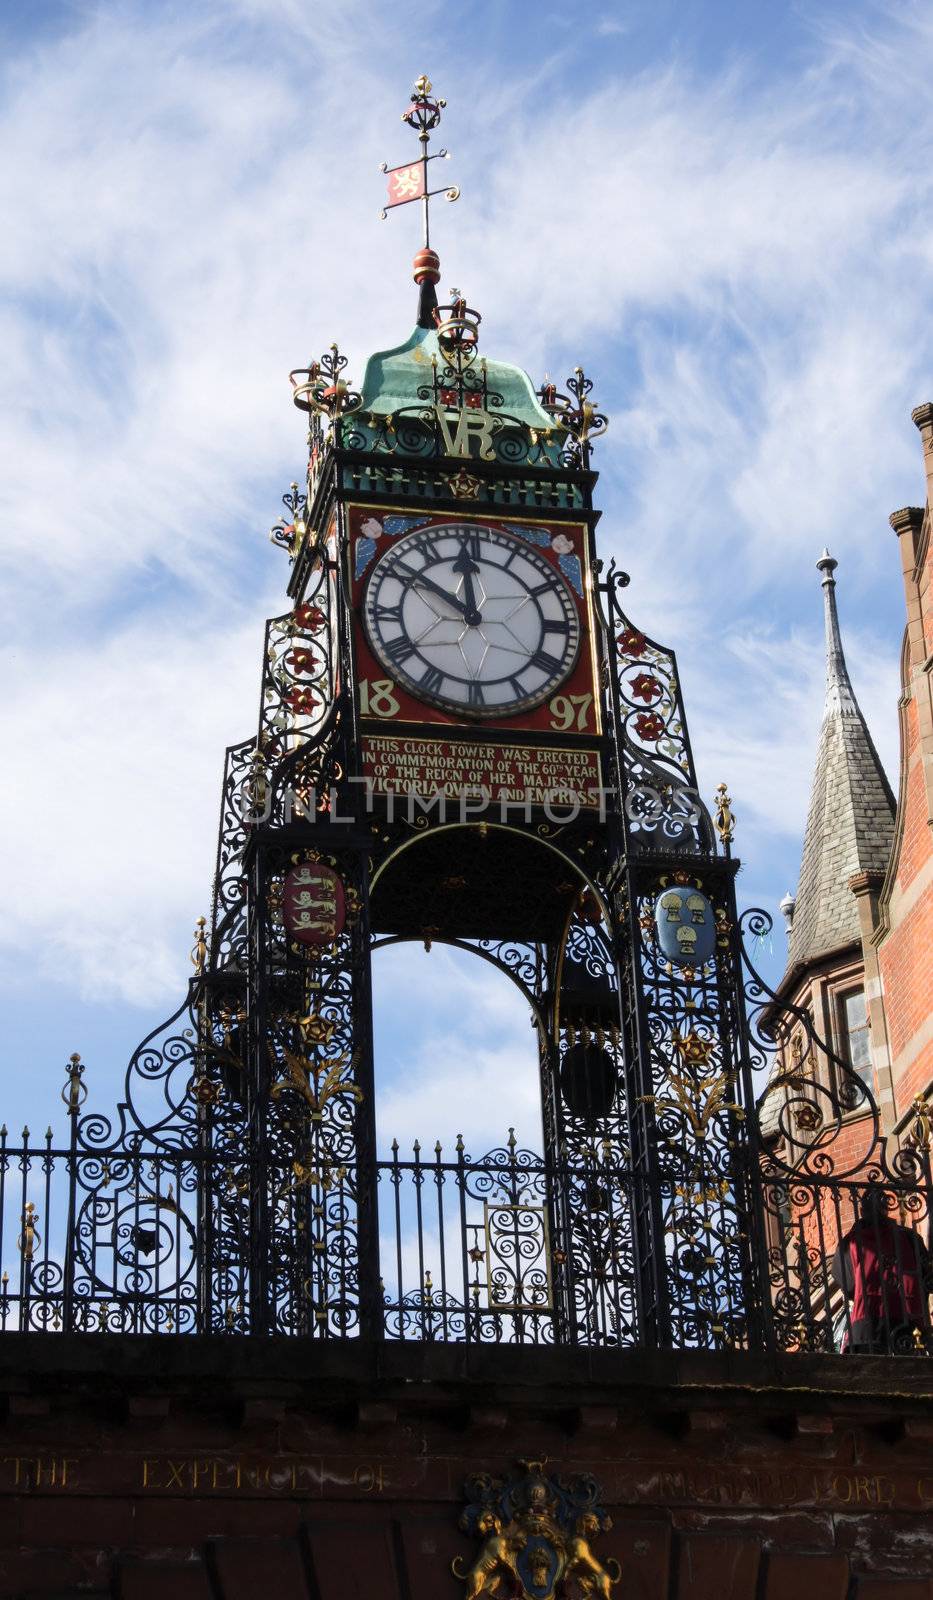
(536, 1533)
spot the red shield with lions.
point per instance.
(314, 904)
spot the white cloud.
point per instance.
(112, 799)
(466, 1064)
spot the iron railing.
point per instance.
(470, 1251)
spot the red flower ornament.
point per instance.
(631, 642)
(309, 618)
(645, 687)
(648, 725)
(301, 701)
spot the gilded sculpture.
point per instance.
(536, 1534)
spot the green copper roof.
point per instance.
(393, 377)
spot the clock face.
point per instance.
(472, 619)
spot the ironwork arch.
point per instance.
(495, 958)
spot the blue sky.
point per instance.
(723, 213)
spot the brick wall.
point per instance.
(727, 1478)
(905, 941)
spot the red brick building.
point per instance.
(860, 928)
(903, 935)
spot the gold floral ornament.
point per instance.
(537, 1533)
(698, 1100)
(316, 1081)
(226, 1054)
(206, 1093)
(315, 1029)
(306, 1176)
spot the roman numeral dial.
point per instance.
(472, 619)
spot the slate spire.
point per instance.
(850, 823)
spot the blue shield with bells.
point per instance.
(686, 926)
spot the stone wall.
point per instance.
(234, 1470)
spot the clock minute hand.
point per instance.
(417, 580)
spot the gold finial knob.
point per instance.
(199, 950)
(29, 1237)
(920, 1133)
(75, 1092)
(725, 816)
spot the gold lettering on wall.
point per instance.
(196, 1474)
(42, 1472)
(699, 1484)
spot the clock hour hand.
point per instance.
(417, 580)
(467, 566)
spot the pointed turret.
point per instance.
(850, 823)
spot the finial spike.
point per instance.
(839, 693)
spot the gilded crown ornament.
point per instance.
(458, 330)
(322, 388)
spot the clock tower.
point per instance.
(242, 1349)
(464, 738)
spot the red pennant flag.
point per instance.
(404, 184)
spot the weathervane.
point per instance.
(411, 182)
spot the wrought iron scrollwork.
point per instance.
(662, 807)
(576, 414)
(322, 389)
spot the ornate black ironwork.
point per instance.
(662, 806)
(322, 389)
(237, 1189)
(577, 415)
